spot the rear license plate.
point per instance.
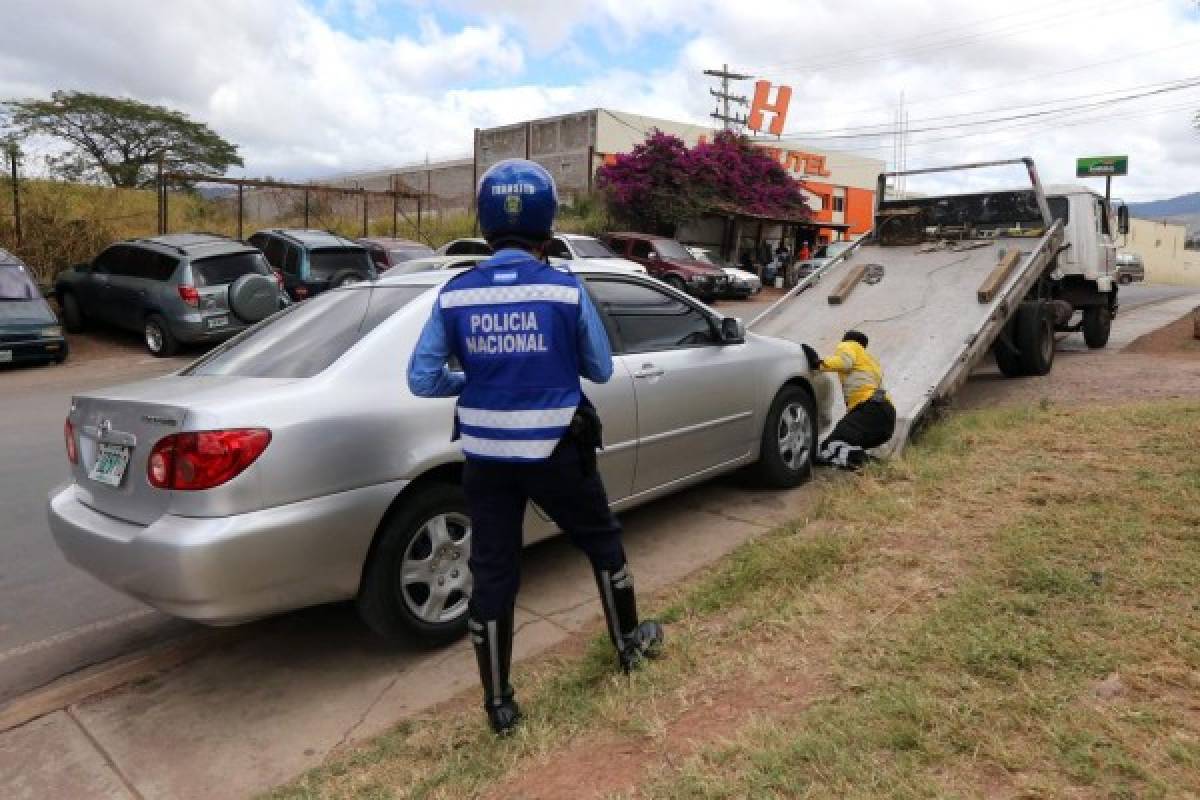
(5, 356)
(216, 322)
(111, 461)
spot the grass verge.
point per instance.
(1008, 611)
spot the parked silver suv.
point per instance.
(184, 287)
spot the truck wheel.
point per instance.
(1007, 360)
(789, 440)
(72, 313)
(1097, 324)
(417, 581)
(1034, 334)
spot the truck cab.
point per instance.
(1084, 277)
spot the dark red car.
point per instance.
(669, 261)
(387, 252)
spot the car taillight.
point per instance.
(204, 459)
(189, 295)
(69, 439)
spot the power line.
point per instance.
(724, 117)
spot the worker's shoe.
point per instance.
(634, 641)
(492, 640)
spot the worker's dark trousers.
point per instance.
(497, 492)
(869, 424)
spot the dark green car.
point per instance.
(29, 330)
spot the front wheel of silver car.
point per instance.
(417, 580)
(789, 439)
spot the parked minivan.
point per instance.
(29, 331)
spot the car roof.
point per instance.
(635, 235)
(192, 244)
(387, 241)
(441, 276)
(574, 236)
(8, 258)
(310, 237)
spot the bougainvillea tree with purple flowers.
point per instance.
(662, 182)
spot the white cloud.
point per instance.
(303, 97)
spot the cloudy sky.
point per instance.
(326, 86)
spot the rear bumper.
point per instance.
(32, 351)
(194, 329)
(226, 570)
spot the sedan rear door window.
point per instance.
(306, 338)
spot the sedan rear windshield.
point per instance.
(592, 248)
(325, 263)
(220, 270)
(15, 284)
(306, 338)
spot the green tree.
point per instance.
(121, 140)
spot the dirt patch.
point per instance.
(1177, 339)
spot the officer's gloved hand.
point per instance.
(814, 360)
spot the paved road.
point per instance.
(53, 618)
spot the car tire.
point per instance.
(1097, 325)
(391, 599)
(158, 337)
(789, 440)
(73, 319)
(345, 278)
(1034, 334)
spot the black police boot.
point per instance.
(493, 651)
(635, 641)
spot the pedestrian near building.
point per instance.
(524, 332)
(870, 418)
(805, 252)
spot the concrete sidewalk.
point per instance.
(257, 713)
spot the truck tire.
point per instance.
(1007, 360)
(789, 440)
(432, 527)
(72, 313)
(1034, 334)
(1097, 324)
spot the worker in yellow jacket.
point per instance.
(870, 417)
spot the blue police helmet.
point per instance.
(517, 200)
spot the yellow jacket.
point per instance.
(860, 373)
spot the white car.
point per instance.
(742, 283)
(563, 247)
(436, 263)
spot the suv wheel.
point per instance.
(159, 340)
(417, 580)
(72, 313)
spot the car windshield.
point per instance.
(15, 285)
(592, 248)
(323, 264)
(669, 248)
(304, 339)
(220, 270)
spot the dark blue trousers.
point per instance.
(497, 494)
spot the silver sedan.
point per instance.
(291, 466)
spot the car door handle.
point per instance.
(649, 371)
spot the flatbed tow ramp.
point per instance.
(937, 284)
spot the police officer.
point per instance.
(870, 417)
(524, 332)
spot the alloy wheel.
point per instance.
(154, 337)
(434, 581)
(795, 435)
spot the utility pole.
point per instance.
(721, 112)
(14, 154)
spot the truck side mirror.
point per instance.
(1123, 219)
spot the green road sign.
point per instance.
(1099, 166)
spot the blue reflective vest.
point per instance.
(513, 324)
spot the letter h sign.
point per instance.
(762, 103)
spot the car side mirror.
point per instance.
(1123, 219)
(733, 331)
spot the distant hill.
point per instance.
(1183, 205)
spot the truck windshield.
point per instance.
(306, 338)
(15, 284)
(1059, 209)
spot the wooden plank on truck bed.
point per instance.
(839, 295)
(993, 282)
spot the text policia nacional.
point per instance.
(505, 332)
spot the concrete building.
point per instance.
(840, 186)
(1161, 246)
